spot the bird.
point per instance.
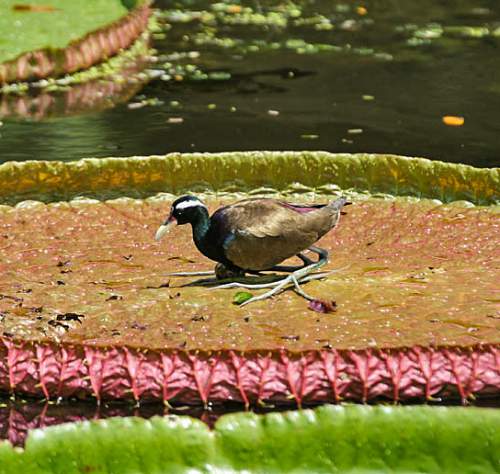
(257, 234)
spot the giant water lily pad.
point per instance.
(40, 24)
(45, 39)
(87, 307)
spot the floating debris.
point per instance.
(322, 306)
(453, 120)
(309, 136)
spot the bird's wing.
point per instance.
(261, 217)
(265, 232)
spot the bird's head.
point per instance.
(185, 210)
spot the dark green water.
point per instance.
(272, 87)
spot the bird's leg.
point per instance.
(305, 260)
(301, 275)
(289, 269)
(322, 253)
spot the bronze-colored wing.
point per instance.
(264, 232)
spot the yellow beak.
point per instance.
(165, 229)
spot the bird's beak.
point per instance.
(165, 228)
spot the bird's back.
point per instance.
(260, 233)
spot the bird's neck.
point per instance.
(200, 225)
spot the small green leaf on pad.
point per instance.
(241, 297)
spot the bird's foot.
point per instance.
(294, 279)
(278, 283)
(223, 273)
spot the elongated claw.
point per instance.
(189, 274)
(280, 286)
(259, 286)
(300, 291)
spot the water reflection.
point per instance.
(18, 417)
(94, 96)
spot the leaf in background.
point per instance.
(326, 439)
(241, 297)
(25, 7)
(323, 306)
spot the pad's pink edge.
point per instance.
(52, 371)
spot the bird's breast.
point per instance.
(211, 246)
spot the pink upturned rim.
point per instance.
(52, 371)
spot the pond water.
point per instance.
(368, 76)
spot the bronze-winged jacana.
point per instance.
(255, 235)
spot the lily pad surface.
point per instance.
(87, 307)
(406, 273)
(39, 24)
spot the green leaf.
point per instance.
(63, 23)
(344, 439)
(241, 297)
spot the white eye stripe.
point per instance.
(192, 203)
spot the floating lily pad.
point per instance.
(51, 23)
(414, 284)
(328, 439)
(47, 39)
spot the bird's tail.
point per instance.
(339, 203)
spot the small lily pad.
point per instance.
(241, 297)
